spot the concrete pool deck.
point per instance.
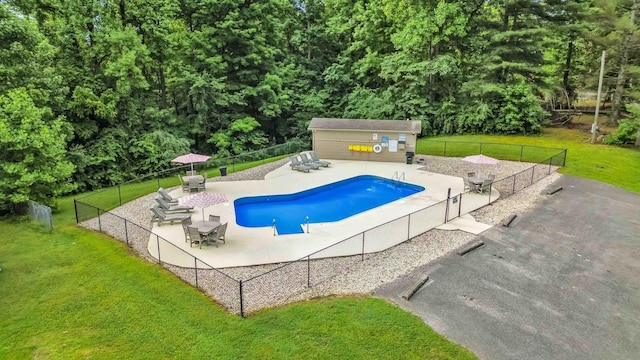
(253, 246)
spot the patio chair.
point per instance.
(194, 185)
(208, 239)
(201, 185)
(467, 184)
(168, 198)
(192, 173)
(161, 217)
(307, 160)
(172, 208)
(187, 234)
(214, 218)
(195, 235)
(315, 158)
(185, 185)
(220, 232)
(298, 165)
(491, 176)
(471, 174)
(486, 186)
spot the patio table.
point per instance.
(206, 227)
(185, 179)
(476, 180)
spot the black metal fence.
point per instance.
(512, 152)
(170, 177)
(276, 284)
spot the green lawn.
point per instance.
(609, 164)
(78, 294)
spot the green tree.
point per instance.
(242, 135)
(33, 165)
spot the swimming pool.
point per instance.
(331, 202)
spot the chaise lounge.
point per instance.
(172, 208)
(161, 217)
(316, 159)
(168, 198)
(297, 165)
(307, 161)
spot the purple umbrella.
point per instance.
(481, 159)
(202, 200)
(190, 159)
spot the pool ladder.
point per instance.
(273, 225)
(398, 176)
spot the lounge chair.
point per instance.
(172, 208)
(315, 158)
(161, 217)
(298, 165)
(486, 186)
(307, 161)
(168, 198)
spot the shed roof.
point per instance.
(412, 126)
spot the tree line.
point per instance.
(96, 92)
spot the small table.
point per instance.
(476, 180)
(206, 227)
(186, 179)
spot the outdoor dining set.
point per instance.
(169, 210)
(478, 182)
(193, 182)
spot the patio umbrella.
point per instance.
(202, 200)
(191, 158)
(480, 159)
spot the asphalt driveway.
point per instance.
(562, 282)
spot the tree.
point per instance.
(242, 135)
(33, 165)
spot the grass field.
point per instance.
(79, 294)
(609, 164)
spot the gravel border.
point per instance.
(287, 283)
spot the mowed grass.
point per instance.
(78, 294)
(609, 164)
(75, 293)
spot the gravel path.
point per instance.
(335, 276)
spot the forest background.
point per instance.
(97, 92)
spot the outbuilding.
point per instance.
(358, 139)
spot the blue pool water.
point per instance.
(331, 202)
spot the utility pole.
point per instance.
(594, 127)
